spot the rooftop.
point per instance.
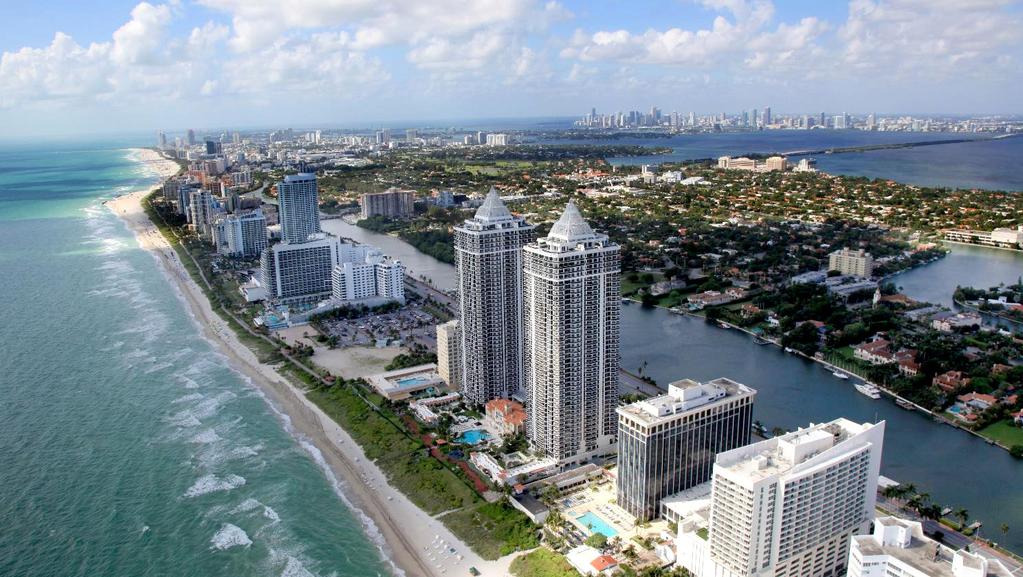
(783, 454)
(684, 396)
(905, 541)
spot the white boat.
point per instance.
(869, 390)
(789, 350)
(840, 375)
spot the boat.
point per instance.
(723, 325)
(869, 390)
(789, 350)
(905, 404)
(760, 341)
(840, 375)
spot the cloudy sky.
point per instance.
(67, 67)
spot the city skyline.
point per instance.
(150, 65)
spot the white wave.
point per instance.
(213, 484)
(206, 437)
(295, 568)
(247, 505)
(187, 398)
(271, 514)
(230, 536)
(185, 420)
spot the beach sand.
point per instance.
(417, 544)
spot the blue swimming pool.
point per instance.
(474, 437)
(410, 381)
(594, 524)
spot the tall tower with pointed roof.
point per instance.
(488, 259)
(571, 320)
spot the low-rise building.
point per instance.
(401, 384)
(898, 547)
(504, 417)
(591, 562)
(948, 322)
(950, 381)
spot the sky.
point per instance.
(71, 67)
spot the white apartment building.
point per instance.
(497, 140)
(488, 262)
(788, 506)
(241, 235)
(899, 548)
(571, 318)
(363, 272)
(298, 201)
(448, 357)
(667, 444)
(202, 210)
(852, 262)
(392, 203)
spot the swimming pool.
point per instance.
(595, 524)
(473, 437)
(410, 381)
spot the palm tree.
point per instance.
(963, 515)
(1005, 529)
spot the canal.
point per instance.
(955, 468)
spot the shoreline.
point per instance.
(405, 535)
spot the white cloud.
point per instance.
(141, 39)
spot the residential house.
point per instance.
(950, 381)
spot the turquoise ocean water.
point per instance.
(128, 446)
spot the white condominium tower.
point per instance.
(298, 199)
(571, 315)
(488, 259)
(788, 506)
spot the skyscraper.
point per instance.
(488, 260)
(191, 137)
(571, 316)
(667, 444)
(767, 116)
(298, 200)
(789, 505)
(448, 358)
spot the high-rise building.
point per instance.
(214, 147)
(898, 547)
(497, 140)
(190, 136)
(767, 116)
(298, 202)
(161, 139)
(241, 235)
(788, 506)
(448, 356)
(363, 272)
(571, 316)
(852, 262)
(299, 272)
(488, 261)
(201, 211)
(411, 135)
(392, 203)
(667, 444)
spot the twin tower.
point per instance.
(542, 317)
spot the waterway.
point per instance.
(955, 468)
(987, 164)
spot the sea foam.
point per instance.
(212, 484)
(230, 536)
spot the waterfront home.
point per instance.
(589, 561)
(908, 365)
(1017, 418)
(876, 351)
(710, 298)
(948, 322)
(950, 381)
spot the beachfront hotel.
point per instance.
(298, 199)
(571, 315)
(667, 444)
(201, 211)
(787, 506)
(488, 261)
(364, 273)
(299, 273)
(899, 548)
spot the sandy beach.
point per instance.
(416, 543)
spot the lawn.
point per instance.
(1004, 432)
(542, 563)
(493, 529)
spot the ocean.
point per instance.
(129, 447)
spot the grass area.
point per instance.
(493, 529)
(1004, 432)
(630, 287)
(542, 563)
(404, 460)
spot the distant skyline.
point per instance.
(67, 68)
